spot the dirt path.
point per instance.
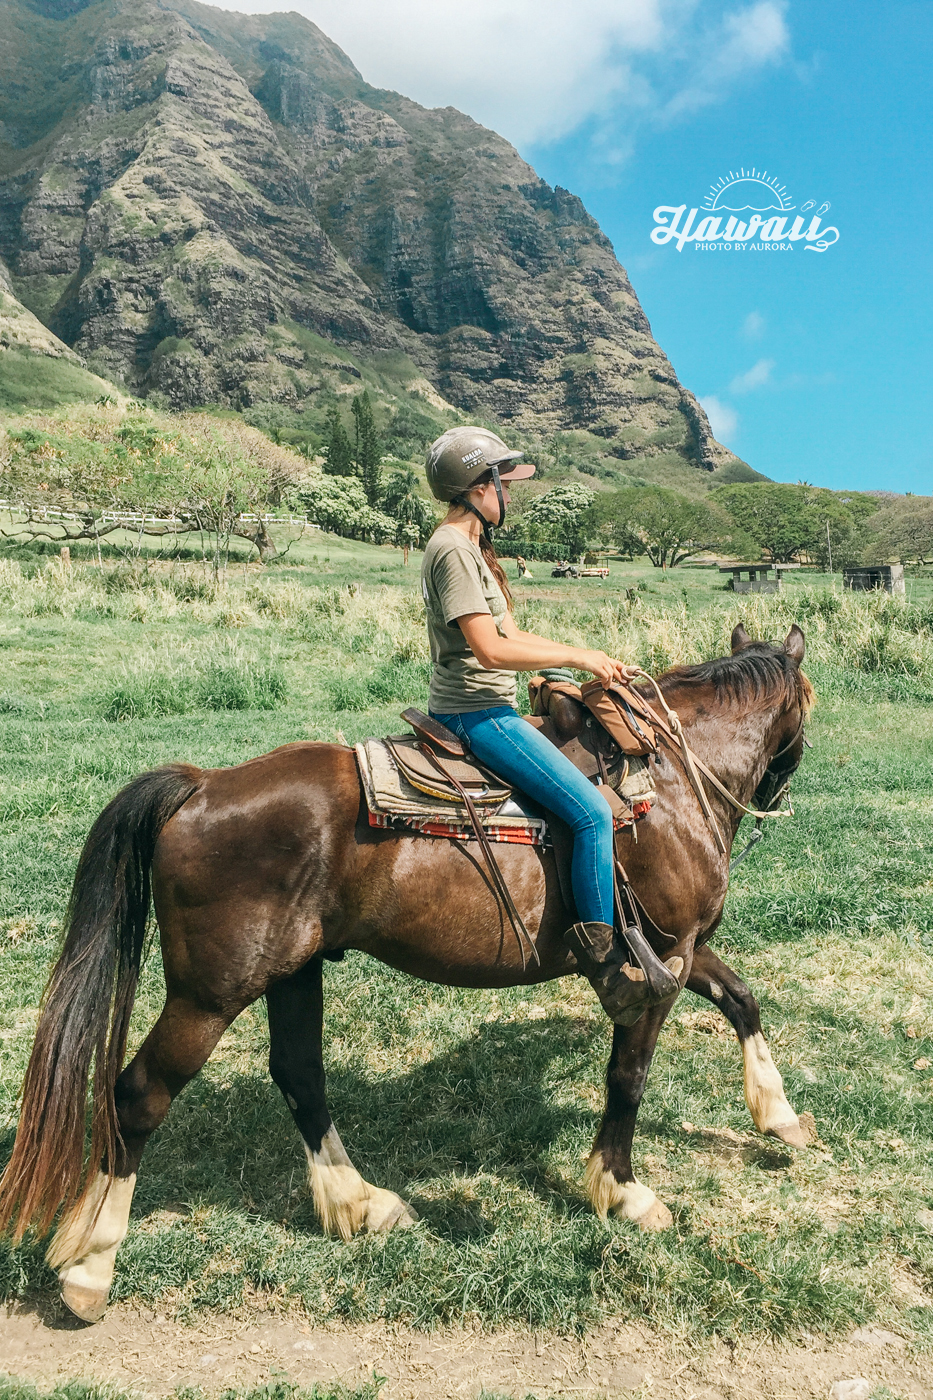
(148, 1352)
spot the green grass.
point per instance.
(157, 686)
(35, 383)
(12, 1388)
(480, 1106)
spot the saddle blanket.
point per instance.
(393, 801)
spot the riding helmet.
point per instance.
(461, 457)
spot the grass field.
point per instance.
(12, 1388)
(481, 1106)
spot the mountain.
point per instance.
(36, 369)
(216, 208)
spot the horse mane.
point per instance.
(761, 672)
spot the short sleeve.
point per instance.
(458, 585)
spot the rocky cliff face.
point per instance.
(21, 330)
(199, 203)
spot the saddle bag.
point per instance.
(623, 716)
(618, 710)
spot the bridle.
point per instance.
(774, 787)
(772, 790)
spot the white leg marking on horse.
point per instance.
(628, 1200)
(715, 991)
(764, 1094)
(345, 1203)
(83, 1251)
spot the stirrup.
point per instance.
(624, 992)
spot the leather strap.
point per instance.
(427, 728)
(660, 979)
(674, 734)
(498, 881)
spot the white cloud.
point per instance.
(723, 420)
(753, 326)
(741, 43)
(535, 70)
(754, 378)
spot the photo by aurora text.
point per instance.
(746, 211)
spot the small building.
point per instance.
(865, 578)
(758, 580)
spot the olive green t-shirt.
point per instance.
(456, 580)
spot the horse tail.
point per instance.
(86, 1007)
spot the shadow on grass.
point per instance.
(484, 1107)
(479, 1139)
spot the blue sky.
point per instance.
(813, 366)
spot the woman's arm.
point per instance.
(524, 651)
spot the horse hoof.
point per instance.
(800, 1133)
(89, 1304)
(387, 1211)
(656, 1217)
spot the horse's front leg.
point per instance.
(764, 1088)
(610, 1181)
(344, 1202)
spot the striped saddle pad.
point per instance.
(394, 801)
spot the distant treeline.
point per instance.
(79, 474)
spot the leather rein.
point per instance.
(671, 730)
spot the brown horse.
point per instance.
(260, 871)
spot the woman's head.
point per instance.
(465, 459)
(484, 498)
(470, 468)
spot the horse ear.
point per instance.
(740, 638)
(794, 644)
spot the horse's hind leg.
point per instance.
(84, 1249)
(610, 1181)
(764, 1088)
(345, 1203)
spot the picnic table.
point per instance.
(758, 580)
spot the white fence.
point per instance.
(135, 521)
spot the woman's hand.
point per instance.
(605, 668)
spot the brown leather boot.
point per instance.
(623, 990)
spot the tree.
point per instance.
(402, 501)
(410, 431)
(406, 537)
(367, 447)
(206, 483)
(663, 524)
(340, 505)
(560, 515)
(786, 520)
(779, 518)
(842, 537)
(901, 530)
(74, 480)
(338, 450)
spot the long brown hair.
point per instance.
(488, 550)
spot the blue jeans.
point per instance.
(501, 739)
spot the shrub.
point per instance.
(401, 679)
(234, 682)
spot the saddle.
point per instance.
(607, 735)
(429, 781)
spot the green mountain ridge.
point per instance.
(215, 208)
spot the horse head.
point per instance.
(800, 699)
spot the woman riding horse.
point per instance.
(260, 872)
(476, 648)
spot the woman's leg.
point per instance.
(517, 752)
